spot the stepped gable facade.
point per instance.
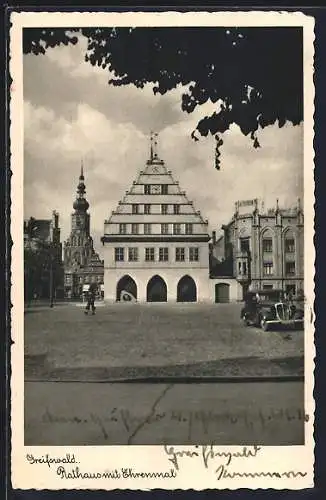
(155, 244)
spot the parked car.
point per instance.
(271, 308)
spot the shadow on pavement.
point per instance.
(37, 367)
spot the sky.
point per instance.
(72, 115)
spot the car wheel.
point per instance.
(245, 321)
(264, 325)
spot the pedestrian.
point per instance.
(91, 298)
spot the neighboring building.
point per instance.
(155, 242)
(43, 257)
(82, 265)
(264, 249)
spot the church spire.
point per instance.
(153, 149)
(81, 204)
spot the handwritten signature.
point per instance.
(208, 453)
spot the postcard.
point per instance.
(162, 218)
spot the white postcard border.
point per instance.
(192, 474)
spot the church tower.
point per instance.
(79, 249)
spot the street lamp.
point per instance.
(52, 255)
(249, 266)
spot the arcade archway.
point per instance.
(186, 290)
(156, 290)
(126, 289)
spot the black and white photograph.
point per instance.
(165, 267)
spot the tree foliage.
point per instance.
(40, 259)
(254, 75)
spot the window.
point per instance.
(119, 254)
(290, 268)
(147, 189)
(165, 228)
(244, 245)
(267, 245)
(163, 255)
(150, 254)
(290, 290)
(189, 228)
(193, 254)
(134, 228)
(176, 209)
(268, 287)
(164, 189)
(289, 245)
(122, 228)
(268, 268)
(245, 267)
(164, 209)
(135, 209)
(147, 228)
(176, 228)
(147, 209)
(133, 254)
(179, 254)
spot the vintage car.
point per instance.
(271, 309)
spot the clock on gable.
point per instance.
(156, 189)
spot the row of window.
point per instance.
(163, 254)
(268, 268)
(165, 228)
(289, 245)
(84, 279)
(289, 289)
(165, 209)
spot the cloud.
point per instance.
(71, 114)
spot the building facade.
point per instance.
(264, 249)
(155, 243)
(82, 265)
(43, 266)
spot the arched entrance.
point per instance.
(126, 289)
(186, 290)
(222, 293)
(156, 290)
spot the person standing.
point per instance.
(91, 298)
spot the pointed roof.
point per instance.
(155, 186)
(81, 204)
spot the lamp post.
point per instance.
(249, 267)
(51, 274)
(51, 281)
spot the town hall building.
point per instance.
(155, 244)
